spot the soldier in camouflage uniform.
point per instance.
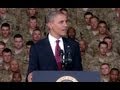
(6, 17)
(71, 34)
(102, 57)
(86, 58)
(5, 72)
(112, 50)
(18, 48)
(36, 12)
(27, 31)
(104, 72)
(36, 35)
(103, 32)
(6, 35)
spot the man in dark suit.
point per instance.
(44, 54)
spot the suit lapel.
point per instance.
(49, 53)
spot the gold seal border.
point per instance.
(67, 78)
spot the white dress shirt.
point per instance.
(52, 41)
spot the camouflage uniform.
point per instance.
(86, 58)
(8, 43)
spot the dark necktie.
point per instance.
(57, 55)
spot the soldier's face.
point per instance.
(109, 42)
(14, 66)
(82, 46)
(114, 75)
(58, 26)
(71, 33)
(103, 49)
(105, 69)
(7, 57)
(5, 31)
(94, 23)
(102, 28)
(87, 19)
(18, 43)
(36, 35)
(32, 11)
(1, 49)
(28, 48)
(33, 23)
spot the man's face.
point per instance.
(18, 43)
(71, 33)
(102, 28)
(93, 23)
(36, 35)
(28, 48)
(33, 23)
(7, 57)
(114, 75)
(2, 47)
(3, 10)
(103, 49)
(58, 26)
(105, 69)
(32, 11)
(5, 31)
(82, 46)
(14, 66)
(87, 19)
(109, 42)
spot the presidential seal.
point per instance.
(67, 79)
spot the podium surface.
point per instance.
(65, 76)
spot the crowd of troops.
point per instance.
(96, 29)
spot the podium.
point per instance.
(65, 76)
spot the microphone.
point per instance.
(62, 54)
(69, 57)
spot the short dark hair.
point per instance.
(29, 42)
(7, 50)
(104, 22)
(107, 37)
(5, 25)
(18, 36)
(115, 69)
(32, 17)
(88, 13)
(2, 43)
(103, 42)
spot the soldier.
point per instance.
(86, 57)
(36, 35)
(71, 34)
(28, 30)
(8, 18)
(6, 35)
(16, 67)
(112, 49)
(103, 32)
(16, 77)
(102, 57)
(18, 48)
(104, 71)
(84, 32)
(114, 75)
(7, 58)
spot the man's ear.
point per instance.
(49, 25)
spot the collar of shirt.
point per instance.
(52, 41)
